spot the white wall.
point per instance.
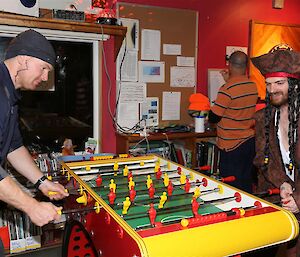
(15, 6)
(81, 5)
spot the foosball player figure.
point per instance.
(166, 180)
(111, 196)
(195, 207)
(179, 170)
(99, 181)
(149, 181)
(129, 176)
(182, 178)
(152, 214)
(151, 191)
(126, 205)
(131, 183)
(116, 168)
(197, 192)
(187, 185)
(112, 185)
(163, 199)
(192, 175)
(156, 167)
(132, 194)
(158, 174)
(125, 171)
(170, 188)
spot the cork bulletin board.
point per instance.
(177, 26)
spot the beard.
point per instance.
(278, 99)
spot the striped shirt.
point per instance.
(235, 103)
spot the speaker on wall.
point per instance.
(278, 4)
(25, 7)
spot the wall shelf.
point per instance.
(118, 32)
(190, 138)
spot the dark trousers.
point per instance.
(1, 249)
(238, 163)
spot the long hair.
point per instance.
(293, 117)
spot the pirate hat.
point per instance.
(279, 62)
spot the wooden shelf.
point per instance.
(118, 32)
(190, 138)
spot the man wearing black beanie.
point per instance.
(29, 59)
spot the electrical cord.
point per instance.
(168, 142)
(116, 125)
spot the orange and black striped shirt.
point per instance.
(235, 103)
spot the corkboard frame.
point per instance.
(177, 26)
(263, 37)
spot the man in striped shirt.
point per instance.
(233, 111)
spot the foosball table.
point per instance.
(149, 206)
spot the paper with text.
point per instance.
(171, 106)
(132, 92)
(129, 66)
(128, 115)
(149, 111)
(185, 61)
(215, 81)
(182, 76)
(150, 45)
(171, 49)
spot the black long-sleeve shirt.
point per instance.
(10, 136)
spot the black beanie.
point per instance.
(31, 43)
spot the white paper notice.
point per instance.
(149, 111)
(132, 34)
(150, 45)
(171, 106)
(231, 49)
(182, 76)
(129, 66)
(128, 115)
(215, 81)
(132, 92)
(185, 61)
(171, 49)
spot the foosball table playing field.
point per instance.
(149, 206)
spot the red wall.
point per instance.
(221, 23)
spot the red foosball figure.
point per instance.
(151, 191)
(187, 185)
(129, 176)
(99, 181)
(158, 174)
(132, 194)
(111, 196)
(170, 189)
(152, 214)
(195, 207)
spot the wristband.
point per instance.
(40, 181)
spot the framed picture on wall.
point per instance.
(151, 71)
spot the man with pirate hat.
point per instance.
(277, 148)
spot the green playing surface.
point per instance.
(176, 207)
